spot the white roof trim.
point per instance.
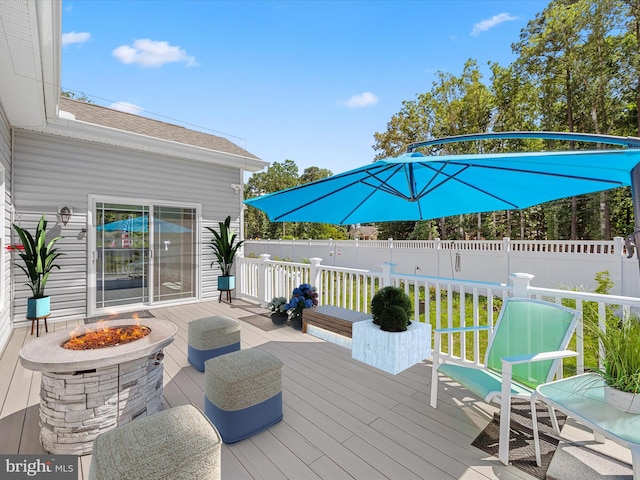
(75, 129)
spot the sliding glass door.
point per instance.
(174, 244)
(143, 254)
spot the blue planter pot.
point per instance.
(226, 283)
(279, 318)
(296, 322)
(38, 307)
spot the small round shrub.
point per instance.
(391, 309)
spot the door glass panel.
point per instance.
(122, 243)
(174, 253)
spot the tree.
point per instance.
(75, 96)
(280, 176)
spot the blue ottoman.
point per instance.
(211, 336)
(243, 393)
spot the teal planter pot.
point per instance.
(226, 283)
(38, 307)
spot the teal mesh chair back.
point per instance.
(528, 326)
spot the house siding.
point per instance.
(52, 171)
(5, 224)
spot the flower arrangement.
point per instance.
(277, 305)
(305, 296)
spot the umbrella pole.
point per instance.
(633, 240)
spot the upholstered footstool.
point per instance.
(178, 443)
(243, 393)
(211, 336)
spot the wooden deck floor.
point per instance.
(342, 419)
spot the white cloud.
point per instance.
(126, 107)
(362, 100)
(73, 37)
(149, 53)
(489, 23)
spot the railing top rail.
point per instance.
(586, 296)
(452, 281)
(348, 270)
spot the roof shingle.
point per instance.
(96, 114)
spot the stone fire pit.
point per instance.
(87, 392)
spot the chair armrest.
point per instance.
(462, 329)
(538, 357)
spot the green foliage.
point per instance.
(395, 230)
(280, 176)
(576, 70)
(81, 97)
(620, 355)
(224, 246)
(38, 256)
(391, 309)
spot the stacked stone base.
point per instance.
(76, 407)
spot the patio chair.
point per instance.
(525, 349)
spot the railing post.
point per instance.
(263, 290)
(387, 270)
(438, 247)
(314, 272)
(521, 282)
(506, 249)
(617, 266)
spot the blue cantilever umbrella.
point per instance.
(413, 186)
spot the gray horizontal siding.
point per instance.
(52, 171)
(5, 258)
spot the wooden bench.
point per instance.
(334, 319)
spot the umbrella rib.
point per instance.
(383, 185)
(537, 172)
(328, 194)
(464, 166)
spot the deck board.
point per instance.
(342, 419)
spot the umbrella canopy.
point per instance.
(417, 187)
(141, 224)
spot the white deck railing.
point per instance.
(443, 302)
(555, 263)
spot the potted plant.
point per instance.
(304, 296)
(390, 341)
(619, 359)
(225, 246)
(391, 309)
(279, 314)
(38, 256)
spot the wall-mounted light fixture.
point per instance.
(64, 213)
(236, 187)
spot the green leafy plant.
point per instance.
(38, 256)
(278, 305)
(225, 246)
(391, 309)
(616, 347)
(620, 354)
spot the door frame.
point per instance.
(92, 252)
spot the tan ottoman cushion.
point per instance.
(178, 443)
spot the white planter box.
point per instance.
(392, 352)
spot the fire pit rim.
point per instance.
(46, 353)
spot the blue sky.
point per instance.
(310, 81)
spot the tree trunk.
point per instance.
(574, 218)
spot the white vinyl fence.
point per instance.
(555, 264)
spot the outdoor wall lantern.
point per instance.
(64, 213)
